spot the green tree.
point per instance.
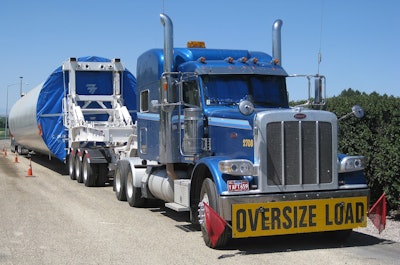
(376, 136)
(2, 122)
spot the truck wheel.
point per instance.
(89, 173)
(22, 150)
(120, 179)
(133, 194)
(78, 169)
(208, 194)
(71, 166)
(19, 150)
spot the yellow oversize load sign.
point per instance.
(290, 217)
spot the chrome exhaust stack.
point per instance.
(168, 42)
(276, 41)
(167, 152)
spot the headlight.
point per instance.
(240, 167)
(351, 163)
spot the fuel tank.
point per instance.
(161, 185)
(36, 120)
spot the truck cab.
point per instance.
(218, 128)
(214, 93)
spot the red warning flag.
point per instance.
(215, 225)
(377, 213)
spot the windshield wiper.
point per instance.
(217, 101)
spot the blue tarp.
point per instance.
(49, 106)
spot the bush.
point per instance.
(376, 136)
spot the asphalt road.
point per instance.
(49, 219)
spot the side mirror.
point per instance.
(356, 110)
(154, 105)
(318, 90)
(246, 107)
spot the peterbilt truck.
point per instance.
(217, 125)
(198, 128)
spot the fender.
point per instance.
(212, 164)
(138, 171)
(351, 179)
(94, 156)
(79, 153)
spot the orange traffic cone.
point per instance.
(5, 152)
(29, 172)
(30, 169)
(16, 158)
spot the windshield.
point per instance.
(261, 90)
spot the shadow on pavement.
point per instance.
(300, 242)
(53, 164)
(274, 244)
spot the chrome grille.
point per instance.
(298, 153)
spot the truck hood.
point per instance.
(232, 112)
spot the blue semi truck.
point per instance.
(201, 128)
(218, 125)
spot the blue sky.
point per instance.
(358, 39)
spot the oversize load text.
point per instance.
(289, 217)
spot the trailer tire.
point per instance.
(71, 166)
(90, 173)
(133, 194)
(78, 169)
(22, 150)
(120, 179)
(208, 194)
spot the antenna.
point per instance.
(163, 7)
(320, 36)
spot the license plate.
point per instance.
(238, 185)
(291, 217)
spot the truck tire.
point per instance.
(71, 166)
(19, 150)
(120, 179)
(89, 173)
(78, 169)
(133, 194)
(208, 194)
(22, 150)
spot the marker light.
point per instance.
(229, 60)
(164, 83)
(202, 59)
(351, 163)
(243, 60)
(276, 61)
(254, 60)
(195, 44)
(239, 167)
